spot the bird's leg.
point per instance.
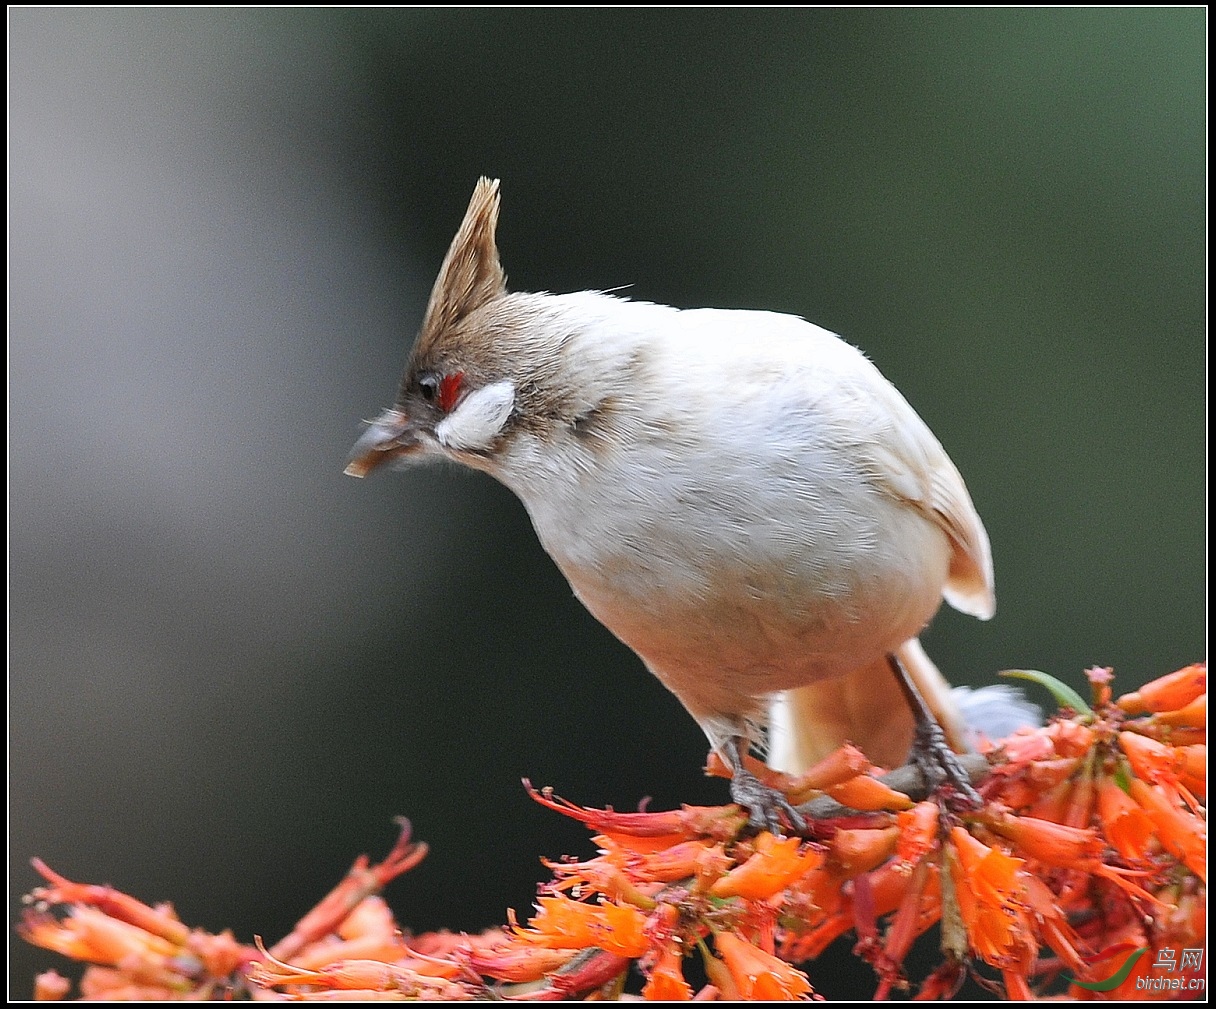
(766, 806)
(930, 751)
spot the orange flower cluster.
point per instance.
(140, 953)
(1089, 844)
(1118, 833)
(146, 954)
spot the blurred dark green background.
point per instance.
(231, 665)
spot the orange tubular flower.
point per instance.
(868, 795)
(889, 886)
(1043, 774)
(1171, 734)
(349, 975)
(160, 921)
(1048, 842)
(686, 823)
(603, 877)
(861, 850)
(1026, 745)
(904, 928)
(917, 831)
(562, 923)
(992, 899)
(1055, 803)
(91, 935)
(712, 865)
(758, 975)
(716, 767)
(1192, 716)
(1168, 693)
(361, 881)
(838, 766)
(517, 963)
(666, 982)
(773, 866)
(1054, 927)
(1151, 760)
(1016, 987)
(640, 844)
(664, 972)
(1182, 834)
(680, 861)
(1195, 760)
(1125, 824)
(322, 954)
(622, 930)
(1195, 768)
(1079, 812)
(360, 980)
(1071, 738)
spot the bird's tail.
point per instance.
(991, 713)
(867, 708)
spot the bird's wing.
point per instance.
(910, 463)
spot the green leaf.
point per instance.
(1065, 696)
(1118, 977)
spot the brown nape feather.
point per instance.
(471, 275)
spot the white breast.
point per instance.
(731, 526)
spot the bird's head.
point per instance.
(459, 391)
(499, 380)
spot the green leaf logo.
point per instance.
(1118, 977)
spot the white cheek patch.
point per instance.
(478, 419)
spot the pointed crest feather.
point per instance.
(471, 274)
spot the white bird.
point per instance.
(740, 497)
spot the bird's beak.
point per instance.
(390, 436)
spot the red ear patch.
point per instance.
(449, 390)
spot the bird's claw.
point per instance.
(940, 765)
(767, 808)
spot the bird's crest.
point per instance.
(471, 274)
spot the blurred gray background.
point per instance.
(230, 665)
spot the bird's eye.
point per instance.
(444, 390)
